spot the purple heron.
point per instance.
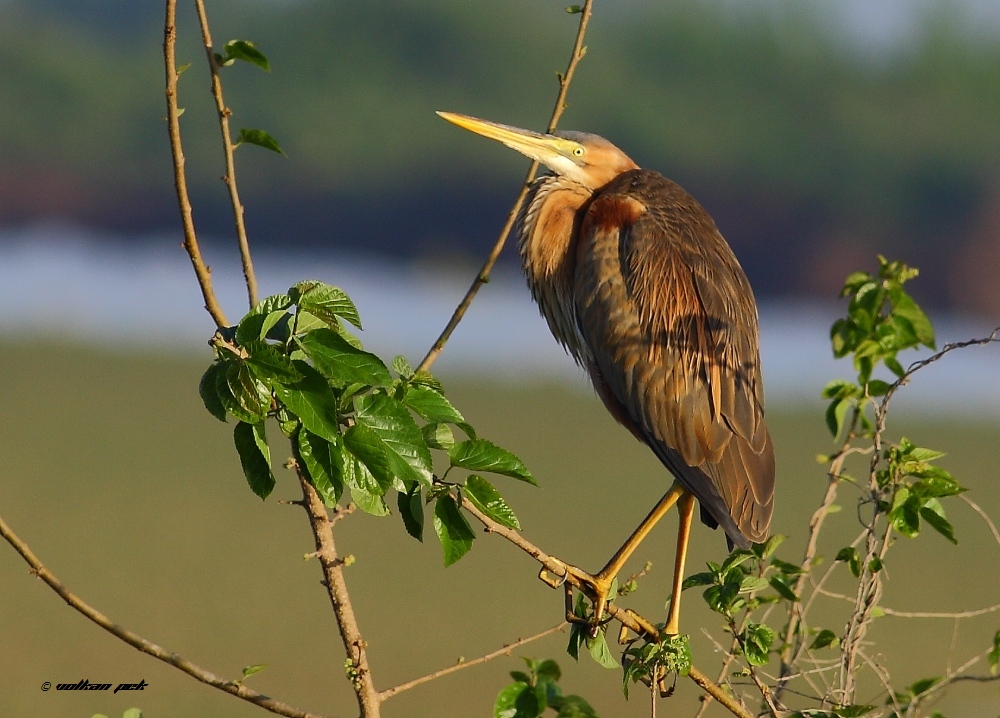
(639, 286)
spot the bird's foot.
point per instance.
(596, 588)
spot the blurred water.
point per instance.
(120, 293)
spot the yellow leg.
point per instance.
(685, 507)
(602, 581)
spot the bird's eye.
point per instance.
(578, 151)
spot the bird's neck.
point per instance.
(547, 228)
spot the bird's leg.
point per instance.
(685, 507)
(601, 583)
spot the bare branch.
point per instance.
(505, 651)
(202, 272)
(141, 644)
(333, 572)
(484, 273)
(929, 614)
(227, 147)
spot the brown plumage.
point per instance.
(637, 283)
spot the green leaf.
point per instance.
(249, 136)
(248, 52)
(905, 307)
(600, 652)
(267, 311)
(994, 656)
(781, 584)
(488, 500)
(850, 555)
(251, 444)
(453, 531)
(408, 455)
(750, 584)
(920, 454)
(342, 363)
(756, 641)
(431, 405)
(549, 668)
(249, 392)
(132, 713)
(825, 638)
(367, 447)
(312, 400)
(836, 414)
(789, 569)
(402, 367)
(483, 455)
(516, 701)
(438, 436)
(698, 579)
(323, 465)
(251, 670)
(573, 706)
(853, 711)
(411, 509)
(368, 502)
(938, 522)
(767, 549)
(325, 301)
(894, 366)
(207, 388)
(840, 389)
(905, 517)
(271, 365)
(877, 387)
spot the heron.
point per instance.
(639, 286)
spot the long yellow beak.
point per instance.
(544, 148)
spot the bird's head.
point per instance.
(588, 159)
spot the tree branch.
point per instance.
(202, 272)
(505, 651)
(484, 273)
(141, 644)
(228, 148)
(359, 673)
(632, 620)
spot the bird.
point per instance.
(636, 282)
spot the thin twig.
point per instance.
(983, 514)
(505, 651)
(484, 273)
(228, 148)
(202, 272)
(929, 614)
(141, 644)
(333, 573)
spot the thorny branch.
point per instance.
(359, 673)
(484, 273)
(228, 148)
(141, 644)
(202, 272)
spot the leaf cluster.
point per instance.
(353, 426)
(536, 690)
(882, 320)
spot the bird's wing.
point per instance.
(671, 325)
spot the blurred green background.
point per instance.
(816, 135)
(813, 132)
(132, 494)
